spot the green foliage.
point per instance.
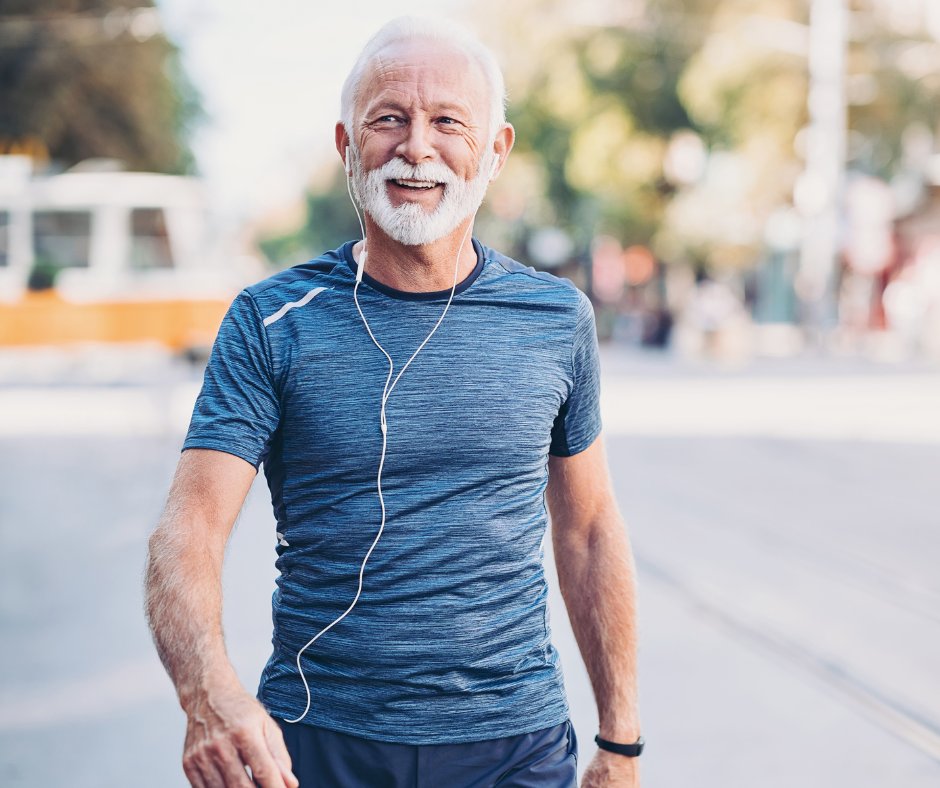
(898, 99)
(75, 77)
(644, 76)
(43, 274)
(549, 139)
(595, 105)
(330, 222)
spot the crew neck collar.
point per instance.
(404, 295)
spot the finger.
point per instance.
(231, 766)
(253, 748)
(274, 737)
(207, 772)
(193, 774)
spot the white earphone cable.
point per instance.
(386, 393)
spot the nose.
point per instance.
(416, 147)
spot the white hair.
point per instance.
(410, 28)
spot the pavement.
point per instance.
(784, 519)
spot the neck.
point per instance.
(418, 269)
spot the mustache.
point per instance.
(435, 172)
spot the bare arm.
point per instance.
(597, 579)
(227, 729)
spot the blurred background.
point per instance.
(749, 192)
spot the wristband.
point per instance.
(630, 750)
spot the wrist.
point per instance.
(211, 683)
(622, 733)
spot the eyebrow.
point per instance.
(395, 105)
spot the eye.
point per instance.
(386, 120)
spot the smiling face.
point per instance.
(422, 158)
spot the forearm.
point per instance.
(184, 571)
(228, 732)
(597, 579)
(184, 607)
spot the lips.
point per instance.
(406, 183)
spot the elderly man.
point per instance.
(415, 399)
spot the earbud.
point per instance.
(362, 255)
(495, 167)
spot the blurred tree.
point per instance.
(594, 99)
(746, 91)
(893, 85)
(94, 79)
(330, 221)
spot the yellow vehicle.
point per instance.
(100, 255)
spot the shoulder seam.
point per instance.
(532, 275)
(299, 275)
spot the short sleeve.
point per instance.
(238, 409)
(578, 422)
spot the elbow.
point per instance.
(163, 553)
(589, 531)
(152, 568)
(156, 548)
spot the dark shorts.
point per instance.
(326, 759)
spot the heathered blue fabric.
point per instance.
(450, 639)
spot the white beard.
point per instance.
(410, 224)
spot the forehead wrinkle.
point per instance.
(400, 99)
(400, 73)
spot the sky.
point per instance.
(270, 75)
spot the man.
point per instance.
(411, 426)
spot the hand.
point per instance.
(230, 731)
(610, 770)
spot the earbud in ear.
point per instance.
(348, 163)
(495, 167)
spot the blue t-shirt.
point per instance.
(450, 640)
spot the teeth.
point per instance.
(415, 184)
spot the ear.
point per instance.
(505, 138)
(342, 143)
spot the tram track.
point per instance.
(862, 573)
(853, 691)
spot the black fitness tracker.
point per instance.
(630, 750)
